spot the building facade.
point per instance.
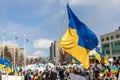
(57, 55)
(54, 53)
(12, 48)
(110, 43)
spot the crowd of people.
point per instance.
(95, 72)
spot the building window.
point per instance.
(102, 39)
(112, 37)
(116, 47)
(105, 45)
(107, 38)
(118, 36)
(108, 52)
(117, 43)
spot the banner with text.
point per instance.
(10, 77)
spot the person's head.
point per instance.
(109, 74)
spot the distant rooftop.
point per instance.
(118, 29)
(112, 32)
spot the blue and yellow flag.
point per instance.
(16, 72)
(78, 39)
(98, 54)
(5, 63)
(113, 69)
(105, 57)
(2, 63)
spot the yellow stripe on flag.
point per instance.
(97, 56)
(68, 44)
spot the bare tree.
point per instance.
(31, 60)
(7, 54)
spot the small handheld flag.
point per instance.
(98, 54)
(4, 36)
(15, 37)
(105, 58)
(6, 64)
(113, 69)
(16, 72)
(26, 39)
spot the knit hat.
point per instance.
(109, 74)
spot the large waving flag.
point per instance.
(98, 54)
(78, 39)
(105, 57)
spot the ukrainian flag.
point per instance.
(6, 64)
(16, 72)
(2, 63)
(98, 54)
(78, 39)
(105, 58)
(113, 69)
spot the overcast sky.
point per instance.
(41, 20)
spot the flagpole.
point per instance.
(3, 42)
(24, 51)
(64, 20)
(62, 27)
(14, 50)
